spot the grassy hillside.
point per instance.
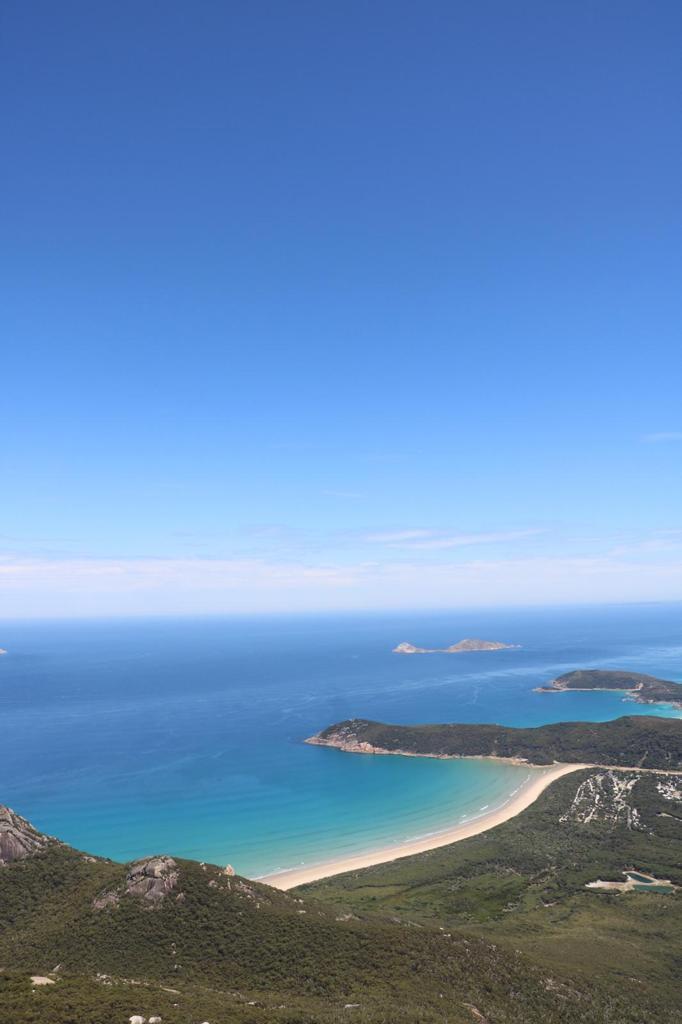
(640, 741)
(522, 884)
(190, 943)
(224, 943)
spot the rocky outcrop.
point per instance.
(478, 645)
(605, 798)
(670, 788)
(18, 838)
(406, 648)
(345, 737)
(349, 745)
(150, 879)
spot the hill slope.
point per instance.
(201, 944)
(522, 884)
(189, 942)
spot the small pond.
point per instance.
(635, 881)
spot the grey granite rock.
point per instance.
(18, 838)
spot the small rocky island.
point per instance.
(462, 647)
(642, 688)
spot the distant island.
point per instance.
(462, 647)
(644, 689)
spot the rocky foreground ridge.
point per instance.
(85, 939)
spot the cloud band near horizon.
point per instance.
(34, 587)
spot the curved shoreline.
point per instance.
(519, 801)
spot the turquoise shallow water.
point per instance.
(185, 736)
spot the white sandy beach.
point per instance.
(526, 795)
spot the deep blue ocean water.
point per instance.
(184, 736)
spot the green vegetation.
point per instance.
(640, 741)
(234, 950)
(499, 928)
(647, 689)
(522, 884)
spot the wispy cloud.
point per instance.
(396, 536)
(432, 540)
(462, 540)
(658, 543)
(662, 436)
(86, 587)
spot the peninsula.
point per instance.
(462, 647)
(644, 689)
(640, 741)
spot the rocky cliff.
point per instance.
(18, 838)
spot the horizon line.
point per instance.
(345, 612)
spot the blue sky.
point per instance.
(339, 305)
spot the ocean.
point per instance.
(184, 736)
